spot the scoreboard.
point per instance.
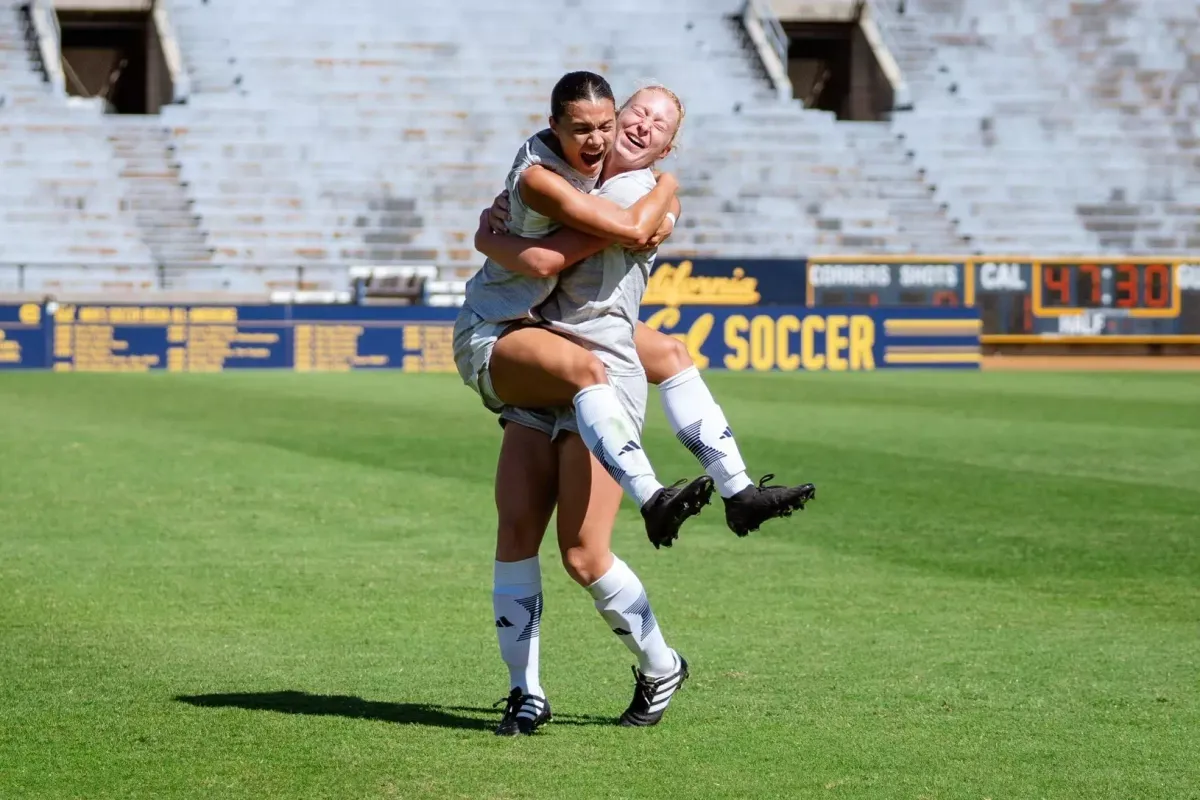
(913, 283)
(1023, 298)
(1071, 297)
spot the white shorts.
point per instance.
(474, 340)
(631, 392)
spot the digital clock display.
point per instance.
(1140, 288)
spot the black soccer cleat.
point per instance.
(670, 506)
(754, 505)
(652, 695)
(524, 714)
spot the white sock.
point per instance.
(517, 601)
(700, 424)
(615, 441)
(621, 600)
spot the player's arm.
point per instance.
(667, 227)
(498, 219)
(536, 258)
(551, 195)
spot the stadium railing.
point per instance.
(766, 32)
(417, 284)
(172, 54)
(49, 42)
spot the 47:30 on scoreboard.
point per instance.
(1132, 297)
(1023, 296)
(1142, 288)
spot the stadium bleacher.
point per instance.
(1048, 126)
(323, 135)
(348, 122)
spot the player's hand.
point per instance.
(661, 235)
(485, 223)
(498, 214)
(667, 177)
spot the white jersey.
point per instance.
(596, 301)
(495, 293)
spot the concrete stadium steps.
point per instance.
(159, 202)
(62, 200)
(71, 176)
(21, 86)
(1061, 105)
(1140, 62)
(320, 134)
(332, 112)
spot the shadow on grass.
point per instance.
(323, 705)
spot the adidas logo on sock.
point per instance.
(620, 632)
(726, 434)
(629, 448)
(504, 623)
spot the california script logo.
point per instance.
(676, 286)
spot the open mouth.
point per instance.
(635, 141)
(592, 159)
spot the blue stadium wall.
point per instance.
(836, 314)
(305, 338)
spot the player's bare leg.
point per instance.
(526, 475)
(587, 511)
(532, 367)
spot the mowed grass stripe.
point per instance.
(917, 487)
(1120, 449)
(1034, 397)
(916, 632)
(430, 415)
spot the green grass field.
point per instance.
(271, 585)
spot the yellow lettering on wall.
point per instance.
(862, 342)
(664, 319)
(30, 314)
(787, 325)
(736, 326)
(214, 314)
(675, 286)
(835, 343)
(762, 343)
(156, 316)
(812, 360)
(695, 338)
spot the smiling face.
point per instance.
(585, 132)
(646, 129)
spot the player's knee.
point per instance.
(676, 357)
(584, 565)
(589, 371)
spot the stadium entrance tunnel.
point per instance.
(115, 55)
(833, 67)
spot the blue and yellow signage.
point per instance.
(791, 338)
(726, 282)
(336, 338)
(1019, 298)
